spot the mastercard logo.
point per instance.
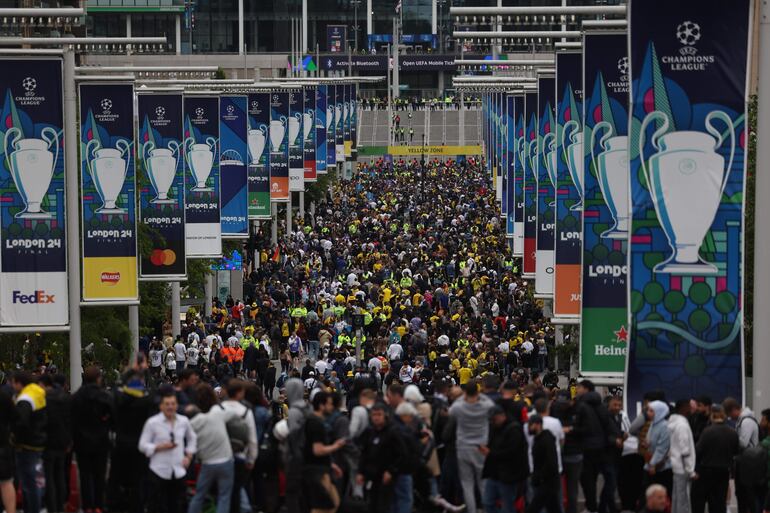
(161, 257)
(110, 278)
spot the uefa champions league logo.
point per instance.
(688, 33)
(623, 68)
(230, 109)
(160, 112)
(29, 84)
(275, 98)
(199, 112)
(106, 105)
(254, 104)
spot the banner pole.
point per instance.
(176, 309)
(761, 350)
(72, 170)
(133, 327)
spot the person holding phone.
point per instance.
(169, 441)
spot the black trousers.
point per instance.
(630, 479)
(56, 492)
(545, 496)
(125, 488)
(166, 496)
(92, 468)
(710, 488)
(593, 464)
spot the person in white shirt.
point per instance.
(682, 456)
(192, 355)
(156, 358)
(395, 351)
(321, 366)
(244, 460)
(553, 425)
(180, 350)
(169, 441)
(374, 363)
(170, 364)
(311, 382)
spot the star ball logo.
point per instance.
(688, 33)
(29, 84)
(230, 109)
(106, 105)
(199, 112)
(160, 112)
(623, 68)
(31, 97)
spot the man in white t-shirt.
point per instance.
(552, 424)
(395, 351)
(180, 354)
(321, 366)
(374, 363)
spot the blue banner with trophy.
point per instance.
(603, 317)
(545, 163)
(33, 258)
(347, 112)
(309, 134)
(233, 166)
(203, 227)
(320, 129)
(353, 100)
(295, 129)
(259, 159)
(688, 162)
(529, 159)
(339, 122)
(569, 187)
(162, 185)
(279, 146)
(108, 192)
(331, 126)
(519, 148)
(510, 143)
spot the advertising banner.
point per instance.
(108, 192)
(233, 166)
(604, 328)
(347, 112)
(510, 143)
(162, 185)
(546, 180)
(498, 136)
(259, 159)
(569, 176)
(530, 183)
(331, 126)
(354, 116)
(519, 148)
(279, 146)
(33, 258)
(309, 134)
(203, 229)
(336, 38)
(688, 93)
(320, 129)
(339, 122)
(296, 150)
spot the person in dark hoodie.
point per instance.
(29, 436)
(299, 411)
(506, 466)
(714, 453)
(592, 421)
(58, 444)
(565, 409)
(545, 475)
(92, 417)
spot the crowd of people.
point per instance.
(387, 357)
(450, 102)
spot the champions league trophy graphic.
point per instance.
(337, 114)
(574, 155)
(549, 154)
(107, 167)
(200, 159)
(329, 116)
(294, 124)
(345, 111)
(161, 164)
(277, 131)
(307, 124)
(686, 178)
(533, 156)
(256, 142)
(611, 167)
(32, 163)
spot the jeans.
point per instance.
(402, 494)
(56, 493)
(470, 463)
(312, 348)
(495, 490)
(573, 465)
(221, 474)
(545, 495)
(28, 465)
(680, 496)
(93, 474)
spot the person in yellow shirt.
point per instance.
(464, 374)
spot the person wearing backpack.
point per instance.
(682, 456)
(747, 427)
(243, 439)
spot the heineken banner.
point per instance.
(339, 122)
(162, 185)
(510, 143)
(569, 176)
(320, 129)
(519, 160)
(331, 127)
(530, 183)
(546, 163)
(603, 328)
(203, 229)
(347, 111)
(108, 192)
(296, 150)
(688, 162)
(309, 134)
(33, 259)
(279, 146)
(259, 159)
(354, 116)
(233, 166)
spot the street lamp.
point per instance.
(355, 23)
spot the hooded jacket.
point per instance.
(658, 438)
(591, 421)
(682, 454)
(29, 431)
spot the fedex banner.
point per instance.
(259, 155)
(545, 163)
(108, 192)
(569, 185)
(279, 146)
(203, 230)
(33, 258)
(233, 166)
(687, 155)
(162, 185)
(604, 328)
